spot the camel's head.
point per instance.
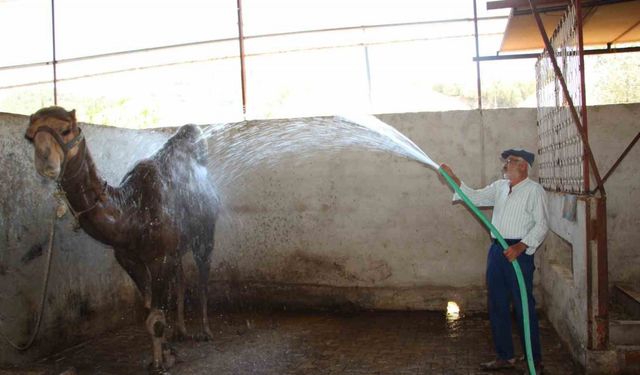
(55, 136)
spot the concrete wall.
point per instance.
(611, 130)
(351, 228)
(564, 275)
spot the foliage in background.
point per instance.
(98, 110)
(615, 79)
(497, 94)
(610, 79)
(26, 100)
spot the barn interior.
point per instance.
(331, 256)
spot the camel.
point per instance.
(163, 208)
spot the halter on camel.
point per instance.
(78, 140)
(66, 147)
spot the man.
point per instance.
(520, 215)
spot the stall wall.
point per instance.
(346, 229)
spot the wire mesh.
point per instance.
(561, 151)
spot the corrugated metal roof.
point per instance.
(603, 23)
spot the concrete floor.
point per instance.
(359, 343)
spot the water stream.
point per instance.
(234, 149)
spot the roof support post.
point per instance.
(477, 59)
(54, 62)
(242, 56)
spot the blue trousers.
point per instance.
(503, 289)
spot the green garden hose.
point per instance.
(516, 267)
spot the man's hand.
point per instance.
(514, 251)
(453, 176)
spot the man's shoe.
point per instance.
(498, 364)
(538, 367)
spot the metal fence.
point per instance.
(561, 152)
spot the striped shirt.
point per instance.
(521, 214)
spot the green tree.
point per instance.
(496, 94)
(615, 79)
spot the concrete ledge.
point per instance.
(624, 332)
(628, 298)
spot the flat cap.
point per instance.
(522, 153)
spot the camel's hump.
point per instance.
(186, 144)
(188, 132)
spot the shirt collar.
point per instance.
(520, 184)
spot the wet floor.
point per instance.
(282, 342)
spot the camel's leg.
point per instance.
(203, 281)
(138, 272)
(155, 326)
(156, 323)
(180, 289)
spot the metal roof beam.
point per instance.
(599, 51)
(520, 3)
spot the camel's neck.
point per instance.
(82, 184)
(97, 206)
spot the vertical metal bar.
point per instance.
(572, 108)
(602, 317)
(589, 269)
(475, 25)
(55, 62)
(601, 334)
(479, 86)
(242, 56)
(597, 274)
(585, 162)
(368, 67)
